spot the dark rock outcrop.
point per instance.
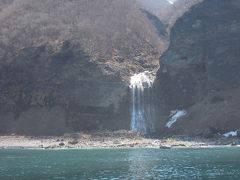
(200, 71)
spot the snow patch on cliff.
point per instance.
(231, 134)
(174, 116)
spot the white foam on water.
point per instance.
(175, 115)
(142, 106)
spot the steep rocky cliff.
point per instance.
(200, 71)
(65, 65)
(168, 11)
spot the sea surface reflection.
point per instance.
(203, 163)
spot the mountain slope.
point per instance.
(200, 70)
(65, 65)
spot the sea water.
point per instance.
(202, 163)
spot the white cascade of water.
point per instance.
(143, 110)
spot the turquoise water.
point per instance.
(212, 163)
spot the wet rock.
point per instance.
(54, 146)
(61, 144)
(116, 142)
(179, 145)
(165, 147)
(47, 147)
(74, 142)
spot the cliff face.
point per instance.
(49, 91)
(200, 71)
(65, 65)
(168, 10)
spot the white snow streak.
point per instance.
(231, 134)
(175, 115)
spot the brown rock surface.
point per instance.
(200, 71)
(65, 65)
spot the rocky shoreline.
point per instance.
(117, 139)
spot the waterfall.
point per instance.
(143, 111)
